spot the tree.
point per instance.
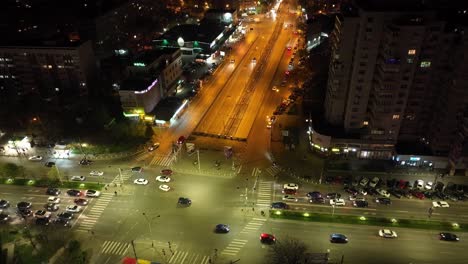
(75, 254)
(288, 251)
(10, 170)
(53, 175)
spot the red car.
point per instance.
(418, 195)
(181, 140)
(267, 238)
(401, 184)
(166, 172)
(290, 191)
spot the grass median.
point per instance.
(369, 220)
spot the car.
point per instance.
(317, 200)
(63, 221)
(395, 193)
(78, 178)
(153, 147)
(85, 162)
(96, 173)
(383, 192)
(440, 204)
(42, 221)
(291, 186)
(92, 193)
(49, 164)
(65, 215)
(402, 184)
(53, 199)
(338, 238)
(333, 195)
(364, 181)
(448, 237)
(275, 88)
(137, 169)
(232, 60)
(80, 201)
(290, 198)
(141, 181)
(51, 207)
(254, 60)
(360, 204)
(290, 191)
(383, 200)
(4, 217)
(314, 194)
(289, 48)
(42, 214)
(163, 178)
(164, 187)
(337, 202)
(392, 183)
(351, 190)
(387, 233)
(166, 172)
(23, 205)
(429, 185)
(73, 209)
(35, 158)
(184, 201)
(429, 194)
(4, 204)
(267, 238)
(53, 191)
(418, 194)
(363, 191)
(419, 184)
(279, 205)
(356, 198)
(74, 192)
(222, 228)
(181, 140)
(374, 182)
(25, 212)
(441, 195)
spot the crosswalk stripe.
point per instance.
(242, 240)
(259, 219)
(228, 253)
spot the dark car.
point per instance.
(137, 169)
(23, 205)
(418, 194)
(85, 162)
(184, 201)
(361, 204)
(42, 221)
(290, 191)
(383, 200)
(49, 164)
(63, 221)
(393, 183)
(448, 237)
(4, 217)
(314, 194)
(80, 201)
(267, 238)
(25, 212)
(65, 215)
(4, 204)
(338, 238)
(429, 194)
(440, 195)
(318, 200)
(279, 205)
(73, 192)
(52, 207)
(333, 195)
(181, 140)
(395, 193)
(351, 190)
(329, 179)
(53, 191)
(222, 228)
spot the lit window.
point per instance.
(411, 52)
(425, 64)
(396, 117)
(409, 60)
(365, 123)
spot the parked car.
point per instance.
(35, 158)
(429, 185)
(383, 200)
(74, 192)
(92, 193)
(351, 190)
(395, 193)
(419, 184)
(333, 195)
(360, 204)
(337, 202)
(418, 194)
(374, 182)
(78, 178)
(53, 191)
(364, 181)
(96, 173)
(440, 204)
(317, 200)
(290, 198)
(291, 186)
(4, 204)
(51, 207)
(290, 191)
(314, 194)
(80, 201)
(383, 192)
(279, 205)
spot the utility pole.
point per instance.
(134, 252)
(198, 159)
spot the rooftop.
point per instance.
(166, 108)
(135, 84)
(394, 5)
(205, 32)
(150, 56)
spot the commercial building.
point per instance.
(47, 71)
(395, 75)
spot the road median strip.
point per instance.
(369, 220)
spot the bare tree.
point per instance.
(288, 251)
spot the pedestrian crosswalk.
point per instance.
(121, 178)
(273, 170)
(184, 257)
(253, 225)
(90, 217)
(234, 247)
(265, 189)
(114, 248)
(162, 160)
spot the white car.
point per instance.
(92, 193)
(429, 185)
(96, 173)
(35, 158)
(164, 187)
(155, 146)
(42, 214)
(383, 192)
(53, 199)
(387, 233)
(374, 182)
(419, 184)
(290, 198)
(73, 209)
(337, 202)
(163, 179)
(78, 178)
(356, 198)
(440, 204)
(141, 181)
(290, 186)
(364, 181)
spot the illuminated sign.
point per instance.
(139, 64)
(147, 89)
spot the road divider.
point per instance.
(369, 220)
(53, 183)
